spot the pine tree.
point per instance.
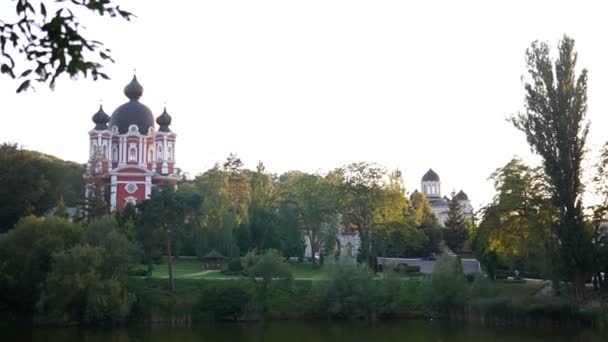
(456, 232)
(61, 210)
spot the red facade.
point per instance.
(129, 154)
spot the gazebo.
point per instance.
(213, 260)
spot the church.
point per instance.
(128, 154)
(431, 188)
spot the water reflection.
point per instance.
(410, 331)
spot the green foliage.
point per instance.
(53, 42)
(312, 198)
(226, 301)
(456, 232)
(25, 259)
(78, 289)
(390, 300)
(267, 266)
(347, 291)
(61, 210)
(555, 127)
(33, 183)
(233, 267)
(292, 240)
(516, 228)
(446, 291)
(167, 212)
(87, 282)
(398, 239)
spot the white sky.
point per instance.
(312, 85)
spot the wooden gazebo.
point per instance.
(213, 260)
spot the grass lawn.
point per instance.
(521, 290)
(193, 269)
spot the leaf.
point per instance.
(24, 86)
(43, 9)
(25, 73)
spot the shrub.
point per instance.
(348, 291)
(446, 290)
(225, 300)
(233, 267)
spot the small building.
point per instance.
(213, 260)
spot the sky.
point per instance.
(313, 85)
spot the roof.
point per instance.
(430, 176)
(163, 121)
(426, 266)
(462, 196)
(214, 255)
(101, 119)
(132, 112)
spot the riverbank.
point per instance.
(490, 303)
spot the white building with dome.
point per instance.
(431, 188)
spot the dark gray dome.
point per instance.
(163, 121)
(132, 112)
(462, 196)
(101, 119)
(430, 176)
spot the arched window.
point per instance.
(169, 153)
(159, 153)
(114, 154)
(93, 150)
(105, 152)
(150, 154)
(132, 154)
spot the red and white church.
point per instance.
(128, 154)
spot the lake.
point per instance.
(402, 330)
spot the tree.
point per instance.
(314, 205)
(600, 216)
(456, 232)
(41, 46)
(33, 183)
(421, 215)
(447, 288)
(220, 215)
(61, 210)
(163, 211)
(515, 228)
(268, 266)
(555, 127)
(25, 259)
(292, 241)
(262, 207)
(362, 193)
(78, 290)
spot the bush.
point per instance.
(348, 291)
(446, 291)
(225, 300)
(233, 267)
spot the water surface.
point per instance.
(359, 331)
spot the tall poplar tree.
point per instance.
(555, 127)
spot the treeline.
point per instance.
(32, 183)
(234, 210)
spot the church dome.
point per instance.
(462, 196)
(163, 121)
(430, 176)
(132, 112)
(101, 119)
